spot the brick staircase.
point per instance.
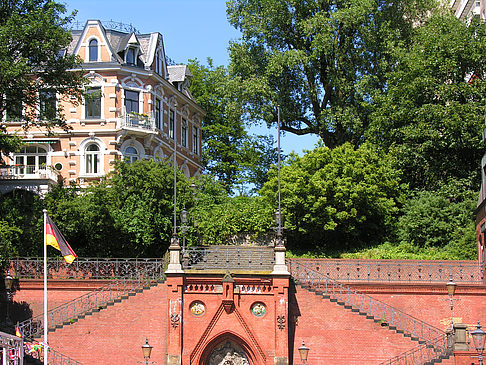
(115, 336)
(350, 336)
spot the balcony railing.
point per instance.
(138, 121)
(27, 172)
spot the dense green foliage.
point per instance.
(317, 60)
(230, 153)
(32, 38)
(335, 200)
(432, 113)
(233, 218)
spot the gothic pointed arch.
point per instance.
(227, 348)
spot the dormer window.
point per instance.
(130, 56)
(93, 50)
(159, 63)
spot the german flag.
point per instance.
(55, 239)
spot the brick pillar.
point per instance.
(175, 283)
(460, 340)
(281, 297)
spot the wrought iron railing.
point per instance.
(13, 347)
(396, 270)
(54, 357)
(71, 311)
(27, 172)
(378, 310)
(438, 348)
(137, 120)
(87, 268)
(228, 258)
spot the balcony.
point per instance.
(135, 122)
(30, 172)
(27, 177)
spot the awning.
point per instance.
(41, 141)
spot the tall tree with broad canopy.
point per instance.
(318, 59)
(232, 155)
(432, 113)
(33, 41)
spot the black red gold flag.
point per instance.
(55, 239)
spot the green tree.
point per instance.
(32, 59)
(432, 113)
(431, 220)
(130, 214)
(318, 60)
(338, 200)
(21, 222)
(230, 153)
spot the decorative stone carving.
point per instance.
(197, 308)
(228, 354)
(258, 309)
(174, 320)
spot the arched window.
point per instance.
(131, 154)
(93, 50)
(92, 158)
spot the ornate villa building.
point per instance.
(135, 107)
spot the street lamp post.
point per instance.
(303, 353)
(478, 336)
(184, 229)
(146, 352)
(8, 280)
(451, 289)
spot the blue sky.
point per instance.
(190, 28)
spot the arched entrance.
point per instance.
(228, 353)
(228, 349)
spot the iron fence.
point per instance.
(228, 258)
(438, 348)
(87, 268)
(54, 357)
(11, 349)
(374, 309)
(396, 270)
(73, 310)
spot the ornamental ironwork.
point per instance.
(13, 346)
(281, 322)
(373, 308)
(93, 301)
(396, 270)
(88, 268)
(229, 258)
(174, 320)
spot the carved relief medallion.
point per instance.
(197, 308)
(258, 309)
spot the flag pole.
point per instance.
(45, 288)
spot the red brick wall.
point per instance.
(334, 335)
